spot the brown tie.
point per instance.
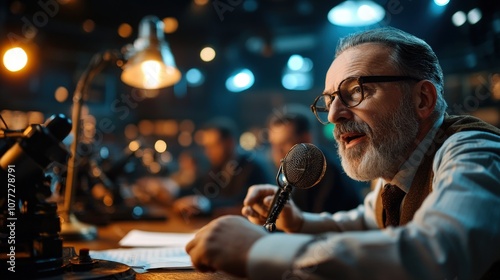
(391, 200)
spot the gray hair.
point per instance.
(412, 56)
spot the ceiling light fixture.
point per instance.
(474, 16)
(240, 80)
(355, 13)
(441, 2)
(459, 18)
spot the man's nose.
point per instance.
(339, 112)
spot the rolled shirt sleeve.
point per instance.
(360, 218)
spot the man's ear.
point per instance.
(425, 97)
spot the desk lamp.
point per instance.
(147, 64)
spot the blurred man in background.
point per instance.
(294, 124)
(232, 172)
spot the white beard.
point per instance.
(380, 155)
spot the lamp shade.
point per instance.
(150, 63)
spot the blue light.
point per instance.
(194, 77)
(459, 18)
(307, 65)
(356, 13)
(137, 212)
(240, 81)
(474, 15)
(441, 2)
(297, 74)
(104, 152)
(297, 80)
(295, 62)
(289, 81)
(250, 5)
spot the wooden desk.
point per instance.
(110, 235)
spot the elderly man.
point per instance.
(434, 212)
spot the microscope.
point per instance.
(32, 161)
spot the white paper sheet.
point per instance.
(139, 238)
(143, 259)
(158, 250)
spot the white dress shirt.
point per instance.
(454, 235)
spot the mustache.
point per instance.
(351, 127)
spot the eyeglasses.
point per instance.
(351, 92)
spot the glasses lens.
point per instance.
(351, 92)
(322, 107)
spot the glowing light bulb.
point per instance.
(15, 59)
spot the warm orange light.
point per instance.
(160, 146)
(187, 125)
(201, 2)
(185, 139)
(88, 25)
(131, 131)
(151, 64)
(61, 94)
(170, 25)
(134, 146)
(15, 59)
(207, 54)
(125, 30)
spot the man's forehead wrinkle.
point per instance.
(363, 60)
(363, 63)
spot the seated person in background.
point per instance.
(232, 172)
(191, 167)
(293, 124)
(434, 212)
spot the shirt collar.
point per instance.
(406, 173)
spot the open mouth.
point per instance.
(352, 138)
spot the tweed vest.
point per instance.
(422, 182)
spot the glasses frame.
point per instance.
(361, 80)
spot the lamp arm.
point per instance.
(97, 63)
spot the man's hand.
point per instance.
(224, 245)
(258, 202)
